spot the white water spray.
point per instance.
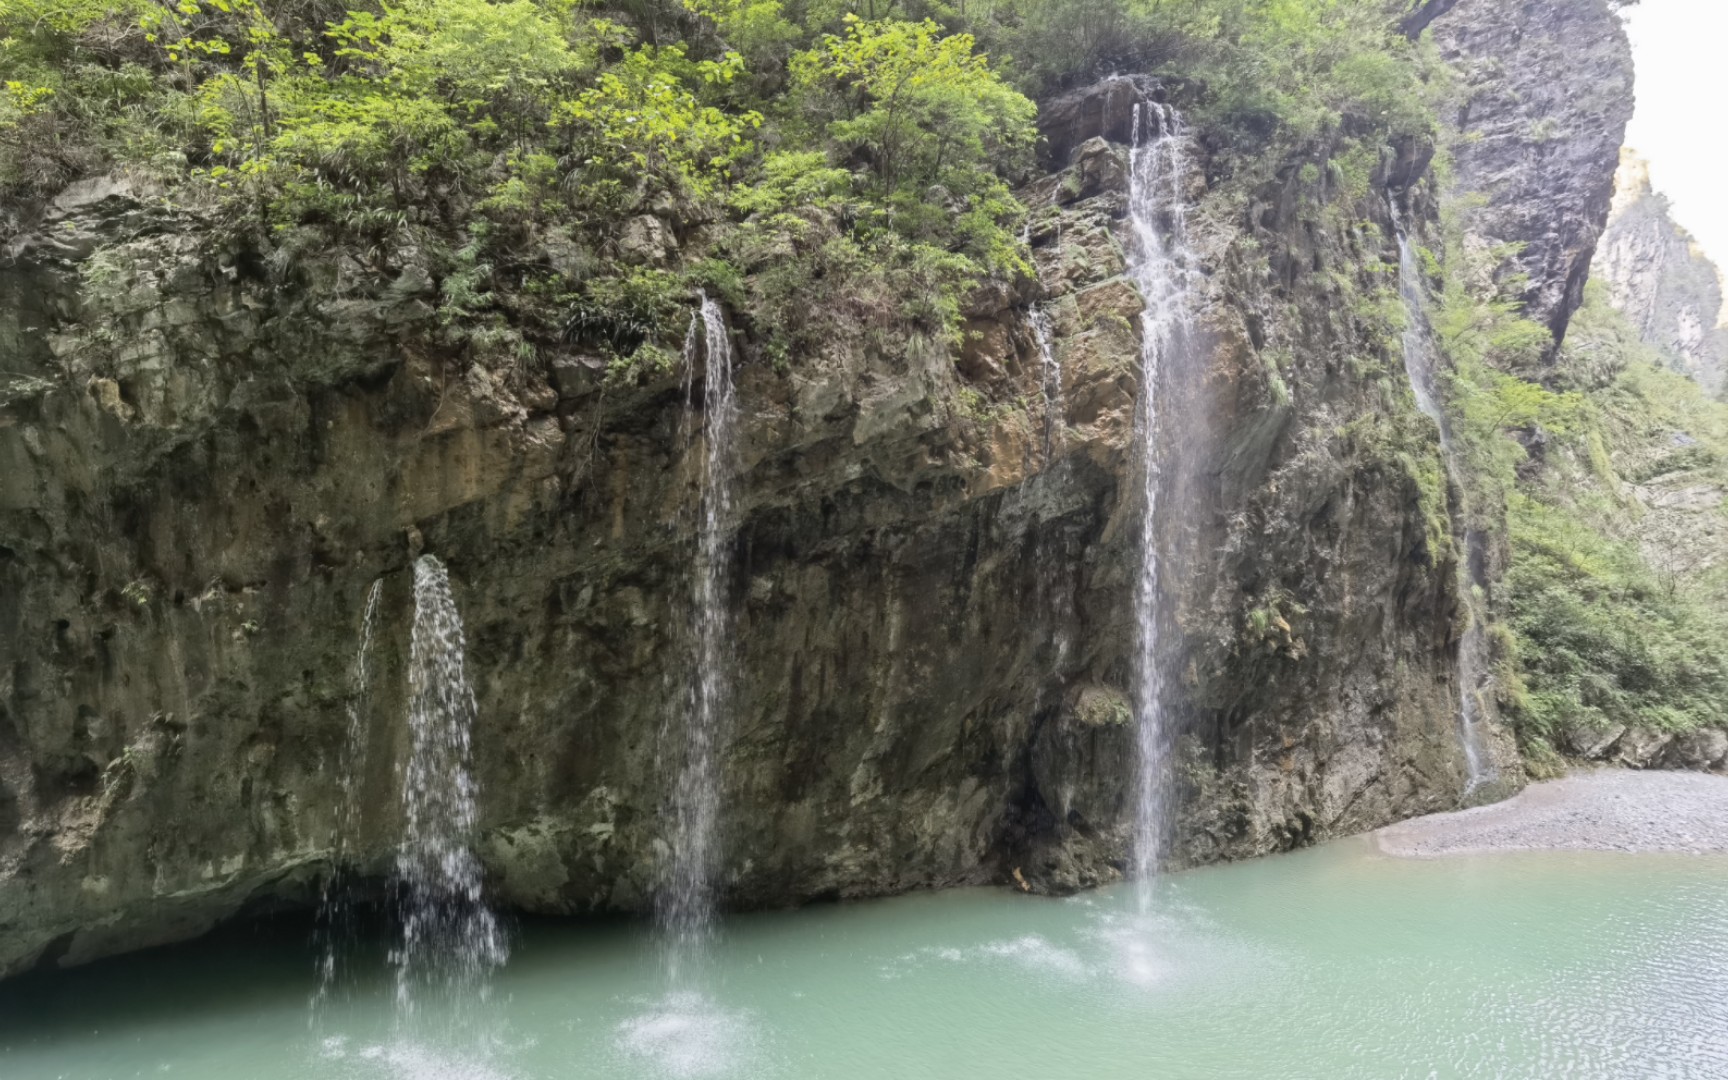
(451, 941)
(1162, 266)
(1421, 364)
(686, 903)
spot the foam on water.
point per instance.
(686, 1036)
(404, 1059)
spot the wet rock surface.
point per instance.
(208, 456)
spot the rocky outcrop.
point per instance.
(1659, 278)
(209, 453)
(1546, 96)
(213, 455)
(1645, 748)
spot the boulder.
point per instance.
(1103, 110)
(1699, 750)
(1641, 747)
(1593, 743)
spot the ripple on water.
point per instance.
(1032, 953)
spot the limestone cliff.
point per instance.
(209, 453)
(1546, 93)
(1660, 279)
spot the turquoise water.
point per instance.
(1330, 964)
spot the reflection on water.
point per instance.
(1335, 963)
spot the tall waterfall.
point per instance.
(333, 902)
(1052, 379)
(1421, 364)
(451, 941)
(686, 903)
(1163, 267)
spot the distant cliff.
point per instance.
(1546, 93)
(1662, 281)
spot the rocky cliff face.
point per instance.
(1546, 93)
(1663, 283)
(211, 453)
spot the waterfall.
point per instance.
(1421, 364)
(1162, 267)
(1052, 378)
(686, 902)
(1472, 666)
(451, 941)
(333, 901)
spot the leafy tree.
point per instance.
(916, 105)
(643, 117)
(758, 29)
(501, 60)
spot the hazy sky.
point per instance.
(1682, 53)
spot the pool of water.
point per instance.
(1329, 964)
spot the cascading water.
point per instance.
(333, 903)
(1419, 359)
(1421, 364)
(1162, 265)
(1472, 666)
(1052, 378)
(686, 903)
(451, 940)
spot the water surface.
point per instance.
(1334, 963)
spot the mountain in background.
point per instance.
(1662, 281)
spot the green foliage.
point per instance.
(1495, 397)
(833, 168)
(758, 29)
(918, 106)
(1613, 623)
(643, 118)
(621, 312)
(1300, 71)
(1602, 639)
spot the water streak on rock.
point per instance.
(1052, 379)
(1421, 365)
(334, 902)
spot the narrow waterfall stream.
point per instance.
(1052, 379)
(1421, 364)
(451, 941)
(686, 903)
(1161, 265)
(334, 902)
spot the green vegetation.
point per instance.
(841, 173)
(1617, 602)
(829, 165)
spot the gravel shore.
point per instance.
(1611, 810)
